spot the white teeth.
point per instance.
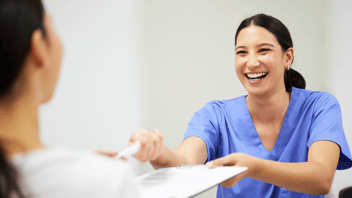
(257, 75)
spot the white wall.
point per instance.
(188, 55)
(339, 63)
(96, 101)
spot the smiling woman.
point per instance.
(277, 36)
(291, 139)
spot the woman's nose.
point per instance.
(252, 61)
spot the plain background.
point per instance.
(96, 100)
(154, 63)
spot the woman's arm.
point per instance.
(312, 177)
(191, 151)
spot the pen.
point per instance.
(131, 150)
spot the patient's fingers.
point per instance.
(108, 153)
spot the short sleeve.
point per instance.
(204, 124)
(327, 125)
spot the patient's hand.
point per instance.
(151, 144)
(108, 153)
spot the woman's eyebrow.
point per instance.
(239, 47)
(265, 44)
(260, 45)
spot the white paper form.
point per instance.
(182, 182)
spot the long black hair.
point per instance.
(18, 20)
(292, 78)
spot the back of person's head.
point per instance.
(18, 20)
(292, 78)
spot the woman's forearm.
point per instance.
(312, 177)
(169, 158)
(305, 177)
(190, 152)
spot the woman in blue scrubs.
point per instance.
(291, 139)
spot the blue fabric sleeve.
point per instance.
(204, 124)
(327, 125)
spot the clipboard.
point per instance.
(183, 181)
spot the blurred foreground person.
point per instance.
(30, 54)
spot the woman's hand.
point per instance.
(152, 145)
(236, 159)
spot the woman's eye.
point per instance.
(264, 50)
(240, 52)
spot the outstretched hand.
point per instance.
(239, 160)
(152, 145)
(108, 153)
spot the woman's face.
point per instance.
(260, 62)
(55, 53)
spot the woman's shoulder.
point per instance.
(233, 102)
(220, 107)
(64, 172)
(316, 97)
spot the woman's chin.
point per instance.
(256, 91)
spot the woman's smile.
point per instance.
(255, 78)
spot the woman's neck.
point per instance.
(270, 108)
(19, 125)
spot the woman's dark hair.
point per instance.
(292, 78)
(18, 20)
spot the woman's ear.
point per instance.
(288, 59)
(39, 49)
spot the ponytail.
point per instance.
(293, 78)
(8, 178)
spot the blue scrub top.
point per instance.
(226, 127)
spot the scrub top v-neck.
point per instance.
(226, 127)
(282, 137)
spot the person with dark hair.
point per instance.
(30, 54)
(291, 139)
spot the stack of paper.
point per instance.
(184, 181)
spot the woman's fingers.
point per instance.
(233, 181)
(150, 147)
(143, 151)
(229, 160)
(158, 144)
(235, 159)
(151, 144)
(137, 136)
